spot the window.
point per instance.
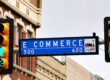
(16, 57)
(17, 36)
(29, 34)
(28, 59)
(18, 33)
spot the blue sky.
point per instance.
(74, 18)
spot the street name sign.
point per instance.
(59, 46)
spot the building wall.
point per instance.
(19, 75)
(27, 18)
(27, 9)
(96, 77)
(76, 72)
(49, 68)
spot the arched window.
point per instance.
(29, 34)
(18, 29)
(28, 59)
(18, 34)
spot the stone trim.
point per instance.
(14, 9)
(26, 72)
(47, 73)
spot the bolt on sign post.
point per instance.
(6, 46)
(107, 38)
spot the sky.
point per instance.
(75, 18)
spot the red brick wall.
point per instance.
(19, 75)
(33, 63)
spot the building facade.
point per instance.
(96, 77)
(74, 71)
(49, 68)
(27, 18)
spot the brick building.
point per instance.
(27, 18)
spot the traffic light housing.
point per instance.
(6, 46)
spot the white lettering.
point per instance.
(41, 43)
(77, 49)
(80, 42)
(62, 43)
(74, 41)
(35, 44)
(24, 44)
(55, 43)
(81, 50)
(48, 44)
(68, 42)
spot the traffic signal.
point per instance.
(6, 46)
(107, 38)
